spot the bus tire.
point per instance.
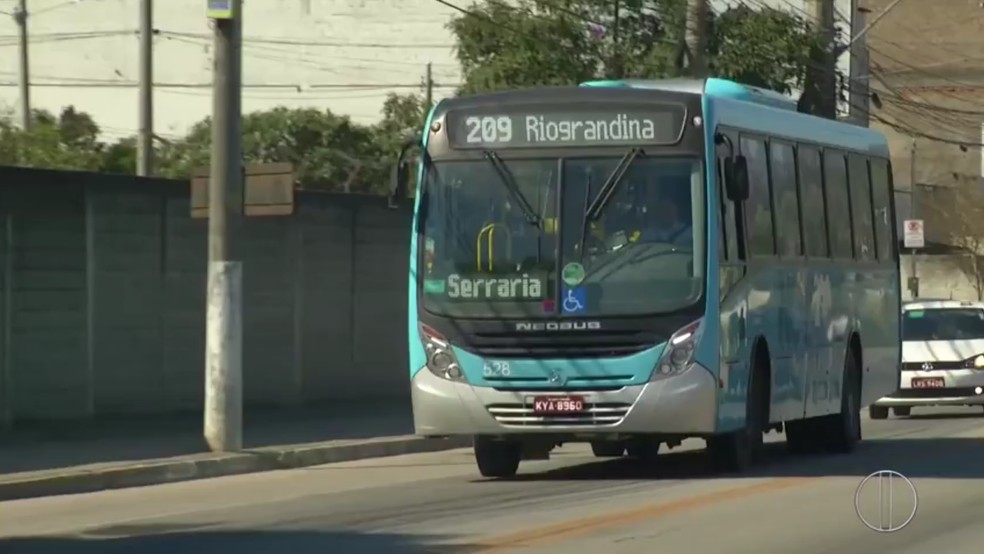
(902, 411)
(842, 431)
(801, 436)
(497, 458)
(878, 412)
(605, 449)
(739, 450)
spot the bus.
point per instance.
(633, 263)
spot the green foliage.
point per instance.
(765, 47)
(329, 151)
(503, 47)
(537, 42)
(68, 141)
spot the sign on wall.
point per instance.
(914, 236)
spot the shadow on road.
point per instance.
(916, 458)
(156, 540)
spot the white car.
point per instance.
(942, 357)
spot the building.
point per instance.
(927, 72)
(346, 55)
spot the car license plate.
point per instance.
(929, 383)
(558, 404)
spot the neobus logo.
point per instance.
(558, 326)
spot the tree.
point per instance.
(766, 47)
(403, 115)
(501, 46)
(328, 151)
(64, 142)
(537, 43)
(958, 211)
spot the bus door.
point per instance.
(731, 257)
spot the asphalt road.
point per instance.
(572, 504)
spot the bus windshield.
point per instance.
(483, 256)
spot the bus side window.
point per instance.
(783, 166)
(812, 204)
(758, 208)
(864, 240)
(839, 220)
(881, 208)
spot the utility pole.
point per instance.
(913, 273)
(617, 70)
(695, 38)
(429, 87)
(20, 16)
(145, 140)
(860, 90)
(224, 325)
(820, 90)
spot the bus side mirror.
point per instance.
(400, 173)
(736, 178)
(399, 181)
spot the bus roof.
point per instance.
(760, 110)
(719, 88)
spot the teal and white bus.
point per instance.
(633, 263)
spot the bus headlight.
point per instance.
(441, 360)
(678, 356)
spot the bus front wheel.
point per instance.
(496, 458)
(739, 450)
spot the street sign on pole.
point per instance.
(220, 9)
(914, 237)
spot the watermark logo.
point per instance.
(886, 501)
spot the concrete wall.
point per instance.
(939, 277)
(102, 298)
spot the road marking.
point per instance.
(567, 530)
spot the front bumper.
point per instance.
(962, 387)
(684, 404)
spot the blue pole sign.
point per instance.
(220, 9)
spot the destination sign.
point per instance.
(544, 126)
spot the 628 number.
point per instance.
(488, 129)
(496, 369)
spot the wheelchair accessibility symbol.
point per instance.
(575, 300)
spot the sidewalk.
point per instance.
(65, 458)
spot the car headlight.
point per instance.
(441, 360)
(678, 356)
(974, 362)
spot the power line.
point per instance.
(298, 42)
(128, 84)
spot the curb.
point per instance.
(205, 466)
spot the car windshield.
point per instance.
(482, 257)
(943, 324)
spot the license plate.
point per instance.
(929, 383)
(558, 404)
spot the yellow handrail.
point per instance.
(490, 229)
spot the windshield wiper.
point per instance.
(607, 189)
(605, 194)
(507, 181)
